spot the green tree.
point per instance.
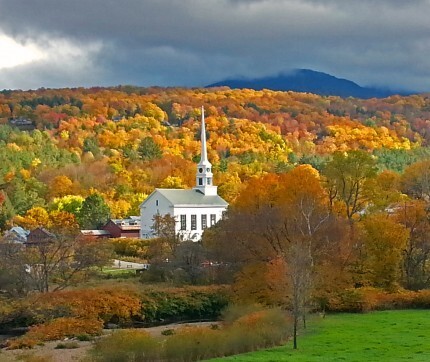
(94, 212)
(148, 150)
(91, 145)
(346, 175)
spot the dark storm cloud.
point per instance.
(195, 42)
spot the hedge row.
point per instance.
(368, 299)
(176, 304)
(54, 313)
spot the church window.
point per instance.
(183, 222)
(200, 170)
(193, 222)
(204, 221)
(208, 169)
(213, 219)
(209, 181)
(200, 181)
(156, 202)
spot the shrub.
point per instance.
(194, 344)
(84, 337)
(105, 304)
(191, 303)
(260, 329)
(235, 311)
(168, 332)
(21, 343)
(57, 329)
(368, 299)
(67, 345)
(65, 327)
(33, 358)
(127, 345)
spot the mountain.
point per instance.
(310, 81)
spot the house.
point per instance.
(123, 228)
(23, 124)
(17, 234)
(194, 210)
(39, 236)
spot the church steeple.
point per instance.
(204, 177)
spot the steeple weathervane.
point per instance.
(204, 168)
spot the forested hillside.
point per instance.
(123, 142)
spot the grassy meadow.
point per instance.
(377, 336)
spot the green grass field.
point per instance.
(387, 336)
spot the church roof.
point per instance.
(191, 198)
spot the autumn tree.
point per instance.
(415, 180)
(383, 191)
(289, 223)
(346, 175)
(383, 242)
(61, 186)
(187, 261)
(53, 263)
(163, 246)
(414, 216)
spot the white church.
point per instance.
(194, 210)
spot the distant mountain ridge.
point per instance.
(310, 81)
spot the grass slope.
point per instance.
(378, 336)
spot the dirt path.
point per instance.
(48, 352)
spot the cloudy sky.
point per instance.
(65, 43)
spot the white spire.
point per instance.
(204, 153)
(204, 176)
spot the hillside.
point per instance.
(309, 81)
(123, 142)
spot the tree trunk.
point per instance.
(295, 332)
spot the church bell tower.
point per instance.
(204, 177)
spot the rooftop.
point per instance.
(191, 198)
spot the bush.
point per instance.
(106, 304)
(168, 332)
(191, 303)
(84, 337)
(57, 329)
(261, 329)
(67, 345)
(368, 299)
(235, 311)
(194, 344)
(127, 345)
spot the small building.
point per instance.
(96, 234)
(39, 236)
(194, 210)
(17, 234)
(123, 228)
(23, 124)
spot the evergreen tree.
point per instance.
(148, 150)
(94, 212)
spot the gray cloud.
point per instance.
(194, 42)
